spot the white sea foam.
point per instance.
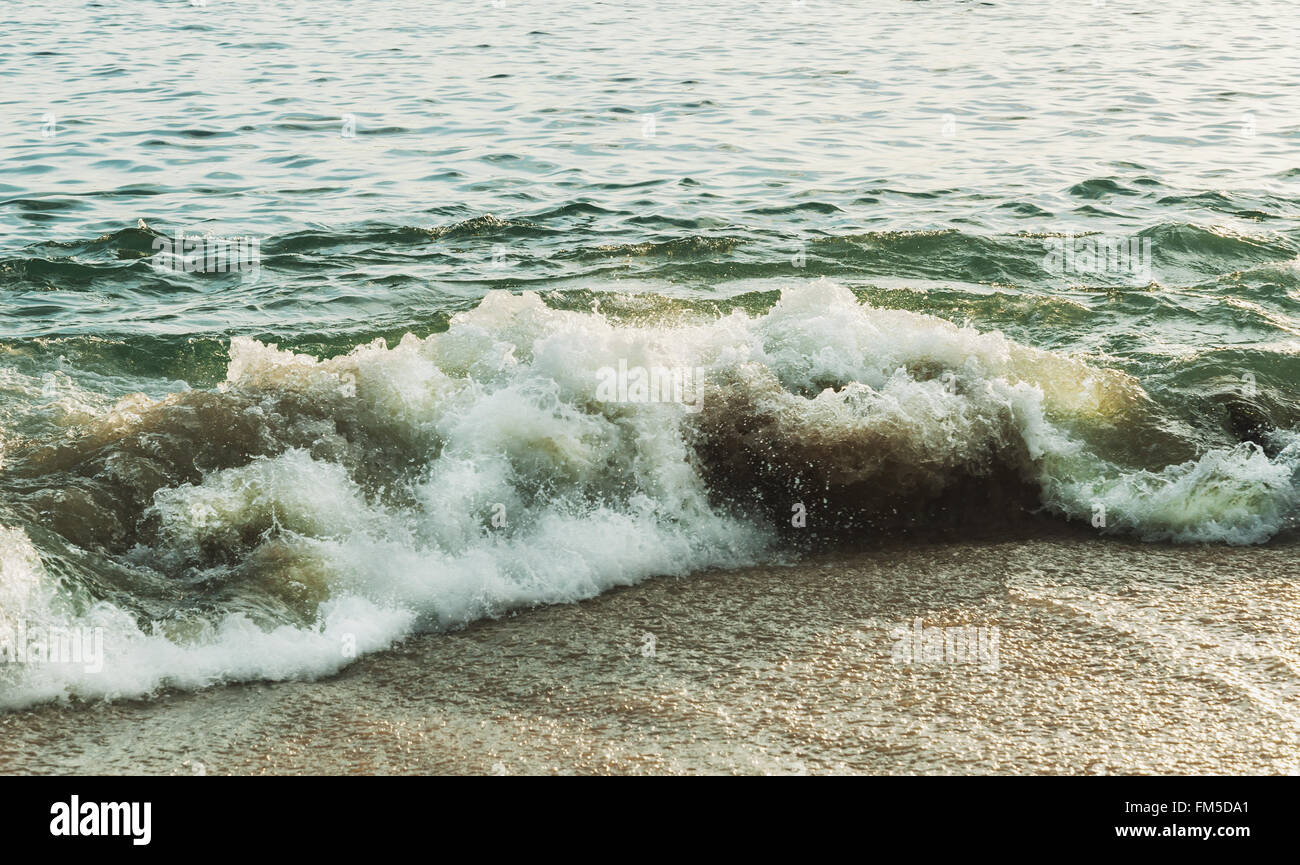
(510, 484)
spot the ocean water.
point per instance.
(912, 268)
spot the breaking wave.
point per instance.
(308, 511)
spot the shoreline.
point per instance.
(1113, 657)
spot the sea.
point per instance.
(335, 336)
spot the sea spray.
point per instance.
(308, 511)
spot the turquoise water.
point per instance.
(774, 193)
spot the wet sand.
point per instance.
(1112, 657)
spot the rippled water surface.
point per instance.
(669, 142)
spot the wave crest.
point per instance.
(309, 508)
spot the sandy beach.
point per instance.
(1112, 657)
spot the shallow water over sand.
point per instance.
(1113, 658)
